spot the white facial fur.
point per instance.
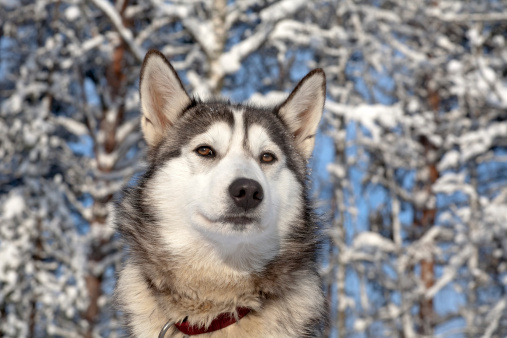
(192, 196)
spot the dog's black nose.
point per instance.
(246, 193)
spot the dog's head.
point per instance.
(226, 178)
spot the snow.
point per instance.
(13, 207)
(478, 142)
(494, 316)
(281, 10)
(370, 116)
(337, 170)
(271, 98)
(381, 64)
(72, 13)
(454, 67)
(72, 125)
(360, 325)
(203, 33)
(475, 37)
(9, 4)
(373, 240)
(10, 258)
(230, 61)
(116, 20)
(450, 272)
(449, 161)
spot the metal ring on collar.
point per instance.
(164, 329)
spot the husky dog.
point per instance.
(221, 235)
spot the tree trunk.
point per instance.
(425, 219)
(108, 126)
(216, 74)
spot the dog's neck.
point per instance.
(198, 289)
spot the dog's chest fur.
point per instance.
(204, 292)
(291, 311)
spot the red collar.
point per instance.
(221, 321)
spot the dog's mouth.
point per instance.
(238, 222)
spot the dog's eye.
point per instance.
(205, 151)
(267, 158)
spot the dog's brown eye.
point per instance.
(205, 151)
(267, 158)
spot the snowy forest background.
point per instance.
(410, 168)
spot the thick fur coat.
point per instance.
(196, 248)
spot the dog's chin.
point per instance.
(233, 225)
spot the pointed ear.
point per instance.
(163, 97)
(303, 109)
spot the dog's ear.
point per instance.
(163, 97)
(303, 109)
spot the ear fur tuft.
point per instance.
(302, 110)
(163, 97)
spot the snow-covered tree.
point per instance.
(424, 107)
(42, 255)
(74, 66)
(416, 110)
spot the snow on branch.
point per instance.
(270, 16)
(124, 32)
(467, 17)
(280, 10)
(370, 116)
(450, 271)
(478, 142)
(494, 316)
(72, 125)
(231, 61)
(374, 240)
(202, 32)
